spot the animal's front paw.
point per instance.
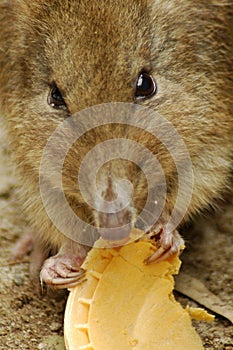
(62, 271)
(169, 244)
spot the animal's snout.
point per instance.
(115, 226)
(114, 212)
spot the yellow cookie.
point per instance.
(125, 304)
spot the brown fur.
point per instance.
(94, 50)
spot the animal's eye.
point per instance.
(55, 99)
(145, 86)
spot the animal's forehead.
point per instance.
(97, 26)
(97, 44)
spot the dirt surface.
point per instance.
(30, 322)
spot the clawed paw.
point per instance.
(169, 244)
(62, 271)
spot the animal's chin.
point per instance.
(115, 233)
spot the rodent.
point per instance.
(60, 57)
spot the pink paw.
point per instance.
(170, 244)
(62, 271)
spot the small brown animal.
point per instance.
(60, 57)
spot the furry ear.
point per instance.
(23, 9)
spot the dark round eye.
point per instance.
(145, 86)
(55, 99)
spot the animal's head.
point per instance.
(64, 56)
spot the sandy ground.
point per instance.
(30, 322)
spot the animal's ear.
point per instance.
(6, 15)
(18, 6)
(9, 6)
(7, 10)
(6, 6)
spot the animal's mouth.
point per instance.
(118, 236)
(115, 233)
(115, 226)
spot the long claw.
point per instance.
(81, 272)
(70, 285)
(170, 244)
(67, 279)
(156, 257)
(162, 255)
(71, 280)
